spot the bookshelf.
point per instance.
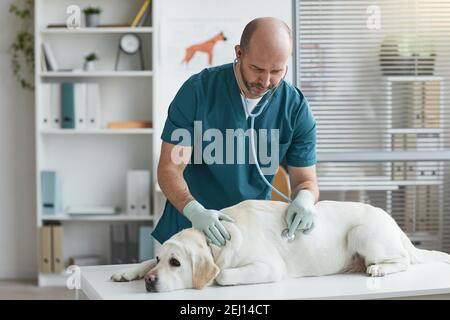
(84, 30)
(97, 74)
(93, 163)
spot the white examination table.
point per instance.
(420, 281)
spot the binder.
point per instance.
(46, 99)
(138, 192)
(51, 193)
(67, 105)
(57, 249)
(132, 193)
(143, 192)
(145, 243)
(80, 105)
(93, 106)
(55, 105)
(46, 250)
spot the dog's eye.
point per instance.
(157, 259)
(174, 262)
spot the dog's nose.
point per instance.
(150, 282)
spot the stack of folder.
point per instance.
(70, 105)
(138, 192)
(51, 256)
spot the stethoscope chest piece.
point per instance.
(285, 235)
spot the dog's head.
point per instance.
(185, 261)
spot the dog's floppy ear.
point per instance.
(204, 270)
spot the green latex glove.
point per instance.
(208, 221)
(301, 213)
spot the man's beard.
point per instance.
(251, 86)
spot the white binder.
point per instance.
(93, 106)
(46, 119)
(138, 192)
(144, 192)
(55, 105)
(80, 106)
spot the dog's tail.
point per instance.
(423, 256)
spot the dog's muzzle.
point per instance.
(150, 283)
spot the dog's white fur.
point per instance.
(348, 237)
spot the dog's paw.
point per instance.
(126, 275)
(375, 270)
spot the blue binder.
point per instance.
(51, 194)
(68, 105)
(145, 243)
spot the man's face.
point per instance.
(261, 73)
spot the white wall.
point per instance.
(17, 164)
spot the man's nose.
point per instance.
(264, 80)
(150, 282)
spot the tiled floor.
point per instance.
(28, 290)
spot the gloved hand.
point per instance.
(301, 212)
(208, 221)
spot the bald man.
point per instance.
(222, 100)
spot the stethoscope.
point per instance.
(285, 233)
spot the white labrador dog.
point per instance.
(348, 237)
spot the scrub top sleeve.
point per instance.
(179, 126)
(302, 150)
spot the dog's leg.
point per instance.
(134, 273)
(381, 247)
(257, 272)
(386, 267)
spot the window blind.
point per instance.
(376, 76)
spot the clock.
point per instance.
(130, 44)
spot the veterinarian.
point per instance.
(220, 98)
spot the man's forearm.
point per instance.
(175, 188)
(309, 185)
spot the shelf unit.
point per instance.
(97, 30)
(418, 126)
(96, 131)
(413, 139)
(97, 74)
(118, 217)
(93, 163)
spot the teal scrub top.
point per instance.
(213, 97)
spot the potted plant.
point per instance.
(407, 55)
(89, 62)
(92, 15)
(22, 47)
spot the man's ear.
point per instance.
(204, 270)
(237, 50)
